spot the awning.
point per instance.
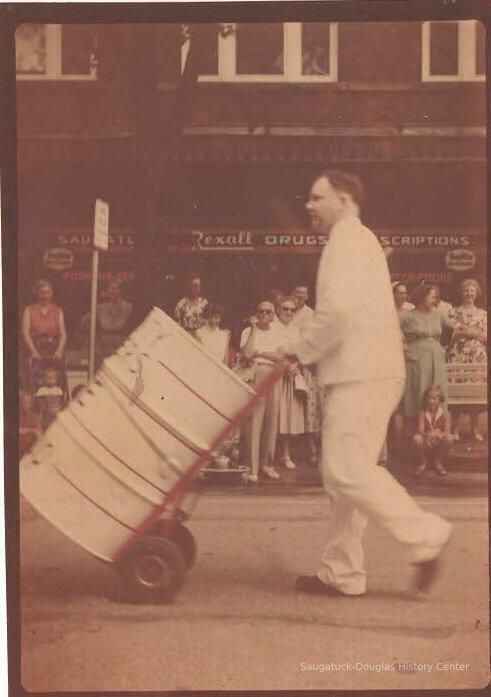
(274, 149)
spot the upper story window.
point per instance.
(453, 51)
(268, 52)
(56, 52)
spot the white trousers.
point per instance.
(261, 427)
(355, 417)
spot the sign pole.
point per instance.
(93, 311)
(101, 241)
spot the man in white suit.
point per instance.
(355, 340)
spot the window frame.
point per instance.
(53, 71)
(466, 47)
(292, 59)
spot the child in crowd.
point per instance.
(434, 437)
(29, 423)
(49, 398)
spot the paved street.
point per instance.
(238, 624)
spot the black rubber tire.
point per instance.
(181, 536)
(153, 570)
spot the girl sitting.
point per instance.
(434, 437)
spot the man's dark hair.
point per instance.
(347, 183)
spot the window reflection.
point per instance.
(315, 48)
(30, 48)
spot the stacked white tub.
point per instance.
(116, 451)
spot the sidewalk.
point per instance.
(467, 476)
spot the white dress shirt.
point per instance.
(354, 333)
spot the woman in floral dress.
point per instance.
(189, 310)
(469, 341)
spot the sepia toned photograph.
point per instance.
(244, 253)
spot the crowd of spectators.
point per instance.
(435, 334)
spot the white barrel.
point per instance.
(127, 439)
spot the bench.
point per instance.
(467, 384)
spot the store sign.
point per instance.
(422, 276)
(257, 241)
(425, 241)
(299, 240)
(58, 259)
(68, 251)
(460, 260)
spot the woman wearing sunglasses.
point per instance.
(259, 344)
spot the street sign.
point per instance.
(101, 224)
(101, 241)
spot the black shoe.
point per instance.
(313, 584)
(426, 574)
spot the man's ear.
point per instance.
(344, 198)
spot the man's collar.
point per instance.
(347, 223)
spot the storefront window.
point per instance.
(30, 49)
(259, 49)
(315, 48)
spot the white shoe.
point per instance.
(478, 437)
(252, 477)
(288, 463)
(270, 472)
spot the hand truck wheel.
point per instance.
(153, 570)
(181, 536)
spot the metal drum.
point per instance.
(122, 446)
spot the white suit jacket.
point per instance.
(354, 334)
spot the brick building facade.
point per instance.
(213, 176)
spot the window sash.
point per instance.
(54, 58)
(292, 59)
(466, 54)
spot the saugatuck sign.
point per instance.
(67, 251)
(263, 240)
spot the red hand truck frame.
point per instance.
(154, 558)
